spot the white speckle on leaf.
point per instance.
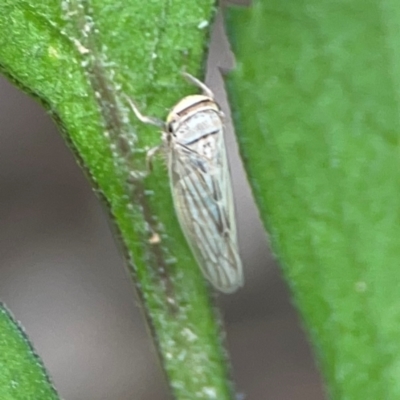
(171, 301)
(155, 238)
(82, 49)
(84, 63)
(210, 392)
(190, 336)
(203, 24)
(182, 355)
(361, 286)
(53, 52)
(171, 261)
(137, 175)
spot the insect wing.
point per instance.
(202, 192)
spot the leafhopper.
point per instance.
(194, 144)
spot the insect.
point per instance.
(194, 144)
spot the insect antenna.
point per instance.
(147, 120)
(206, 90)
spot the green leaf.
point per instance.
(22, 374)
(315, 96)
(79, 59)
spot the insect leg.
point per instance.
(134, 176)
(206, 90)
(144, 118)
(152, 121)
(150, 155)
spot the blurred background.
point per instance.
(62, 276)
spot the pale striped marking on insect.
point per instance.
(194, 144)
